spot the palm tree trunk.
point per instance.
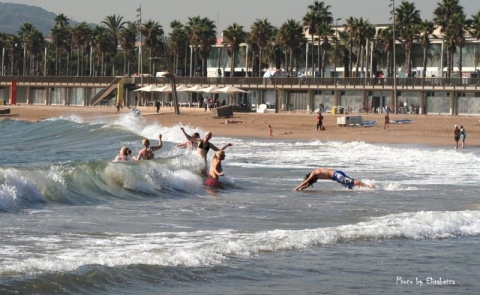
(424, 73)
(460, 60)
(313, 64)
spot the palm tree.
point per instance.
(127, 37)
(407, 21)
(323, 17)
(385, 37)
(351, 29)
(425, 29)
(325, 32)
(290, 37)
(60, 37)
(474, 28)
(310, 22)
(233, 36)
(103, 43)
(114, 24)
(444, 11)
(80, 36)
(458, 28)
(11, 45)
(153, 33)
(202, 34)
(176, 42)
(207, 30)
(261, 33)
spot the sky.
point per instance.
(227, 12)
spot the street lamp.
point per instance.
(336, 45)
(394, 57)
(140, 56)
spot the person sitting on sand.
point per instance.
(146, 153)
(216, 170)
(123, 155)
(324, 173)
(188, 143)
(232, 122)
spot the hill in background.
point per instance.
(12, 17)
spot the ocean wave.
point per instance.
(201, 248)
(99, 181)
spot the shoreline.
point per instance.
(433, 130)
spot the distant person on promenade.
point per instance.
(205, 103)
(216, 170)
(324, 173)
(188, 143)
(386, 125)
(463, 135)
(456, 135)
(123, 154)
(147, 152)
(204, 145)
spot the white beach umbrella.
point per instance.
(210, 89)
(229, 90)
(168, 88)
(148, 88)
(195, 88)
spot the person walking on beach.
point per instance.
(157, 105)
(146, 153)
(118, 108)
(386, 125)
(335, 175)
(319, 121)
(463, 135)
(456, 135)
(216, 170)
(205, 103)
(123, 154)
(270, 131)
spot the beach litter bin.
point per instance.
(225, 111)
(334, 110)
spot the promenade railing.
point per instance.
(301, 83)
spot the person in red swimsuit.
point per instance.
(216, 170)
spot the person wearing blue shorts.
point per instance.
(336, 175)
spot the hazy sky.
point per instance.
(226, 12)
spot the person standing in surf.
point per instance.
(456, 135)
(463, 135)
(335, 175)
(146, 153)
(216, 170)
(204, 145)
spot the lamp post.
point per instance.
(3, 61)
(140, 56)
(24, 59)
(45, 63)
(336, 46)
(394, 57)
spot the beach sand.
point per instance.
(424, 129)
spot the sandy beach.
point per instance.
(424, 129)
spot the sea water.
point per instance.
(74, 222)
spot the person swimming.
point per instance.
(147, 152)
(335, 175)
(123, 154)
